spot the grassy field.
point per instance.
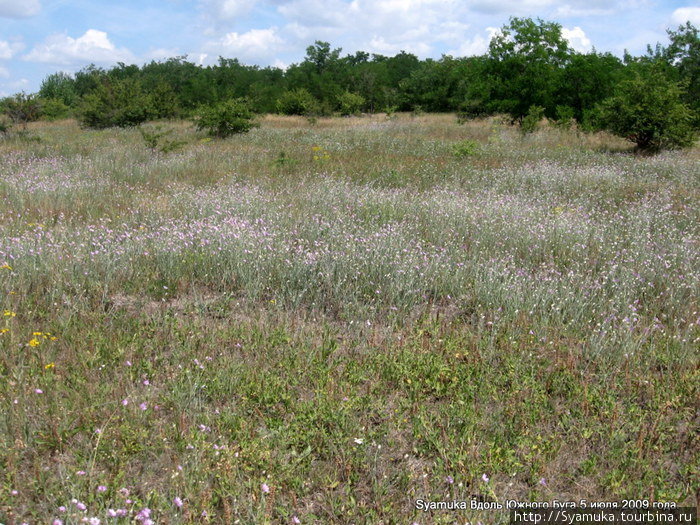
(322, 323)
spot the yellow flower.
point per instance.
(34, 342)
(50, 366)
(37, 333)
(8, 313)
(4, 330)
(316, 148)
(5, 267)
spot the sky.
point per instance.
(40, 37)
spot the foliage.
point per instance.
(297, 102)
(226, 119)
(59, 86)
(465, 148)
(115, 102)
(54, 109)
(531, 121)
(350, 103)
(5, 125)
(154, 139)
(648, 110)
(22, 108)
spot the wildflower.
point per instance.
(265, 488)
(50, 366)
(81, 473)
(101, 488)
(9, 313)
(543, 482)
(146, 382)
(143, 406)
(94, 521)
(57, 522)
(61, 509)
(111, 513)
(4, 330)
(80, 505)
(14, 492)
(125, 402)
(485, 478)
(34, 342)
(359, 441)
(177, 502)
(38, 391)
(450, 480)
(5, 267)
(296, 520)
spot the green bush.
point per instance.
(465, 148)
(116, 102)
(531, 121)
(54, 109)
(565, 117)
(648, 110)
(350, 103)
(22, 108)
(298, 102)
(225, 119)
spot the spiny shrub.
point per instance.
(226, 119)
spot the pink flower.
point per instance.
(80, 505)
(38, 391)
(265, 488)
(143, 406)
(543, 482)
(57, 522)
(177, 502)
(81, 473)
(94, 521)
(125, 402)
(61, 509)
(485, 478)
(14, 492)
(101, 488)
(296, 520)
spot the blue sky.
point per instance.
(39, 37)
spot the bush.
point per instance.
(54, 109)
(648, 110)
(350, 103)
(22, 108)
(225, 119)
(120, 103)
(298, 102)
(531, 121)
(465, 148)
(565, 117)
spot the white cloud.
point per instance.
(478, 45)
(227, 9)
(94, 46)
(254, 45)
(8, 49)
(577, 39)
(4, 73)
(686, 14)
(19, 8)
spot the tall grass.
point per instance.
(355, 320)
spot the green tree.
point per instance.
(648, 110)
(297, 102)
(227, 118)
(527, 59)
(59, 86)
(116, 102)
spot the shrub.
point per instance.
(648, 110)
(115, 102)
(54, 109)
(565, 117)
(531, 121)
(5, 126)
(350, 103)
(225, 119)
(465, 148)
(22, 108)
(298, 102)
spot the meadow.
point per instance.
(321, 322)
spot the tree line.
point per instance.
(529, 71)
